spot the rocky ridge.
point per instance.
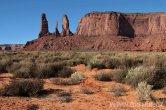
(106, 31)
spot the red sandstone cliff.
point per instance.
(112, 23)
(109, 31)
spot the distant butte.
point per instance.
(105, 31)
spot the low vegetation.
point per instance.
(64, 96)
(77, 77)
(32, 107)
(24, 87)
(129, 67)
(117, 90)
(144, 91)
(65, 82)
(164, 90)
(103, 76)
(86, 91)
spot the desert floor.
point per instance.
(101, 99)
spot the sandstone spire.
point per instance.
(44, 26)
(65, 27)
(56, 30)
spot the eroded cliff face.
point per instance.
(120, 24)
(103, 31)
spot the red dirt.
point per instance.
(100, 100)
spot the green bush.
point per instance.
(144, 91)
(26, 87)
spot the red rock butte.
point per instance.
(105, 31)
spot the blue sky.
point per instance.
(20, 19)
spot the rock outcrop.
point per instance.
(122, 24)
(108, 31)
(65, 27)
(56, 33)
(13, 47)
(44, 26)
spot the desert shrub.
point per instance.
(144, 91)
(74, 62)
(95, 62)
(32, 107)
(139, 74)
(4, 63)
(131, 62)
(13, 67)
(64, 97)
(26, 87)
(164, 90)
(112, 63)
(25, 70)
(117, 90)
(59, 81)
(42, 70)
(86, 91)
(103, 76)
(45, 71)
(77, 77)
(152, 75)
(119, 75)
(65, 72)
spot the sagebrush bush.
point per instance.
(65, 72)
(112, 63)
(45, 71)
(139, 74)
(103, 76)
(144, 91)
(117, 90)
(25, 70)
(95, 62)
(4, 63)
(164, 90)
(86, 91)
(119, 75)
(24, 87)
(77, 77)
(152, 75)
(32, 107)
(64, 96)
(65, 81)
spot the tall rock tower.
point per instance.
(44, 26)
(65, 27)
(56, 33)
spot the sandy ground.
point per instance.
(100, 100)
